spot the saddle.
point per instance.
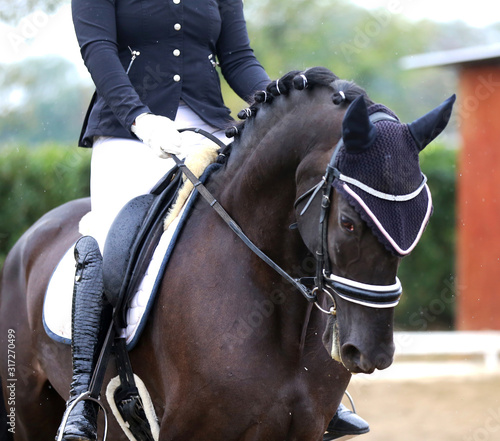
(131, 242)
(137, 229)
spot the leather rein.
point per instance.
(374, 296)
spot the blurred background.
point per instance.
(45, 90)
(409, 55)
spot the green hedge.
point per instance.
(33, 181)
(428, 273)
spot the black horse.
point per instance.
(233, 350)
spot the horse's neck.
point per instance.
(259, 186)
(260, 180)
(259, 191)
(260, 194)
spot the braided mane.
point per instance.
(343, 93)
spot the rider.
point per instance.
(154, 67)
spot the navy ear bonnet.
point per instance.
(380, 172)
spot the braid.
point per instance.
(234, 131)
(263, 96)
(248, 112)
(343, 92)
(283, 85)
(347, 91)
(315, 76)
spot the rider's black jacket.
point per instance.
(179, 42)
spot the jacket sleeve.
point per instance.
(95, 28)
(238, 63)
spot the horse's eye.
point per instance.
(347, 224)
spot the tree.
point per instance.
(43, 99)
(12, 11)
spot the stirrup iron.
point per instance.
(83, 397)
(348, 395)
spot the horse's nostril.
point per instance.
(351, 356)
(357, 361)
(383, 360)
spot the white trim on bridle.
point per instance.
(384, 231)
(381, 195)
(372, 289)
(364, 286)
(370, 305)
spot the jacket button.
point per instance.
(176, 1)
(177, 78)
(176, 52)
(177, 26)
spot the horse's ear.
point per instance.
(429, 126)
(358, 132)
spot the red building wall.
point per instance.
(478, 207)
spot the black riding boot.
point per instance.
(89, 317)
(345, 423)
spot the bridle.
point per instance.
(373, 296)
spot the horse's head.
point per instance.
(359, 218)
(374, 204)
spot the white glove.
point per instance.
(159, 133)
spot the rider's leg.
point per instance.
(91, 318)
(122, 169)
(344, 423)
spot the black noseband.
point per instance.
(373, 296)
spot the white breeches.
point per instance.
(122, 169)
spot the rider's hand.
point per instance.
(159, 133)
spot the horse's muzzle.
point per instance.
(357, 360)
(361, 338)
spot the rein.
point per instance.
(308, 294)
(374, 296)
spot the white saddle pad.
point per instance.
(59, 296)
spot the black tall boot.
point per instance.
(345, 422)
(89, 322)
